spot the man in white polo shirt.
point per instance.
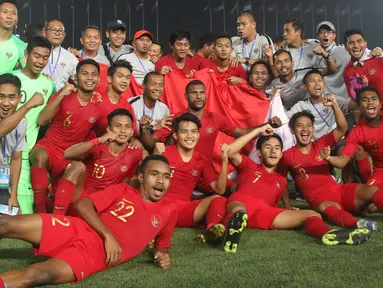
(147, 107)
(250, 46)
(140, 59)
(62, 63)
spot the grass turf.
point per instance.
(264, 259)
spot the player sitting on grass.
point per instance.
(108, 161)
(312, 176)
(79, 248)
(260, 189)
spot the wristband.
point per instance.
(247, 61)
(150, 129)
(328, 57)
(327, 157)
(94, 142)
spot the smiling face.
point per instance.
(259, 77)
(154, 88)
(284, 65)
(370, 105)
(271, 152)
(87, 78)
(37, 59)
(116, 37)
(303, 130)
(356, 45)
(315, 85)
(123, 127)
(91, 40)
(187, 135)
(9, 99)
(120, 80)
(8, 16)
(154, 180)
(180, 48)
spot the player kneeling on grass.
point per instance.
(188, 168)
(260, 188)
(108, 161)
(110, 218)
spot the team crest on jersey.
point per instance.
(209, 130)
(195, 173)
(325, 110)
(123, 168)
(45, 91)
(256, 50)
(62, 65)
(92, 119)
(310, 56)
(9, 55)
(156, 220)
(371, 71)
(278, 185)
(319, 158)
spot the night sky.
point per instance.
(189, 14)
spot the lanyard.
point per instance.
(251, 49)
(55, 67)
(5, 144)
(320, 115)
(142, 65)
(143, 113)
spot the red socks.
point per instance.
(216, 212)
(364, 169)
(315, 227)
(340, 217)
(227, 218)
(2, 283)
(39, 180)
(63, 196)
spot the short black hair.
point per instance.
(38, 41)
(119, 112)
(186, 117)
(8, 78)
(10, 2)
(95, 27)
(119, 64)
(278, 40)
(194, 83)
(351, 32)
(179, 35)
(264, 63)
(312, 71)
(85, 62)
(159, 44)
(208, 39)
(54, 19)
(262, 139)
(359, 93)
(149, 158)
(247, 13)
(297, 24)
(281, 51)
(151, 73)
(296, 116)
(223, 35)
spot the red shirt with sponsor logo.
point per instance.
(168, 60)
(185, 175)
(104, 169)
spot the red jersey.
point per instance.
(255, 181)
(310, 171)
(185, 175)
(133, 221)
(371, 139)
(237, 71)
(168, 60)
(211, 124)
(104, 169)
(73, 122)
(108, 107)
(200, 61)
(372, 69)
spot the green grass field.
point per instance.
(264, 259)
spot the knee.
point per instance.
(5, 224)
(35, 277)
(75, 168)
(322, 206)
(312, 213)
(39, 157)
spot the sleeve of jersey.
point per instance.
(225, 125)
(164, 237)
(104, 198)
(326, 140)
(163, 133)
(283, 167)
(159, 64)
(137, 154)
(352, 143)
(208, 173)
(21, 139)
(245, 163)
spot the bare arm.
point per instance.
(336, 161)
(330, 68)
(220, 185)
(286, 199)
(341, 122)
(14, 178)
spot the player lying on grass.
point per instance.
(103, 238)
(188, 168)
(108, 161)
(260, 189)
(312, 176)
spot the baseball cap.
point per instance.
(116, 25)
(140, 33)
(323, 24)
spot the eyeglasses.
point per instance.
(55, 30)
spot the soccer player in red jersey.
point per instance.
(112, 96)
(205, 49)
(180, 41)
(211, 122)
(221, 65)
(107, 161)
(368, 133)
(79, 248)
(312, 176)
(260, 188)
(188, 167)
(73, 112)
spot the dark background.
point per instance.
(191, 15)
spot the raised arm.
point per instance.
(336, 161)
(329, 100)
